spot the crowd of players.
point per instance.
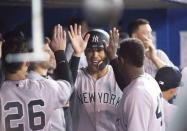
(109, 82)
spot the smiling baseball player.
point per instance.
(97, 94)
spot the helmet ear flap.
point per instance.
(103, 64)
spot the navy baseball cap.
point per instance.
(97, 36)
(168, 78)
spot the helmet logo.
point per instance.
(95, 38)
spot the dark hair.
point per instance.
(14, 43)
(133, 26)
(132, 51)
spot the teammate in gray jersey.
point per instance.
(27, 105)
(97, 94)
(168, 79)
(141, 106)
(155, 58)
(39, 70)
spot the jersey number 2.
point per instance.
(32, 115)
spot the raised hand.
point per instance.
(58, 41)
(78, 43)
(111, 49)
(150, 50)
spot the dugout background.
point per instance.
(167, 23)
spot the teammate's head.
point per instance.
(169, 79)
(132, 51)
(140, 29)
(52, 60)
(49, 63)
(95, 50)
(14, 43)
(135, 25)
(131, 58)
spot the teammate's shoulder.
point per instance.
(136, 92)
(32, 83)
(143, 83)
(149, 77)
(40, 83)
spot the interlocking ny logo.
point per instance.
(95, 38)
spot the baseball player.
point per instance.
(97, 94)
(39, 71)
(141, 107)
(169, 79)
(26, 104)
(155, 58)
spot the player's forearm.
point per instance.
(158, 62)
(62, 70)
(119, 77)
(74, 64)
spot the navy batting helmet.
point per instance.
(97, 36)
(97, 39)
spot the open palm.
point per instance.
(78, 43)
(59, 38)
(111, 49)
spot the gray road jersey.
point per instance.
(141, 106)
(57, 120)
(27, 105)
(150, 67)
(95, 102)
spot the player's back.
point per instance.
(57, 120)
(28, 104)
(156, 121)
(141, 106)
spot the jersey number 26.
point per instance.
(32, 115)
